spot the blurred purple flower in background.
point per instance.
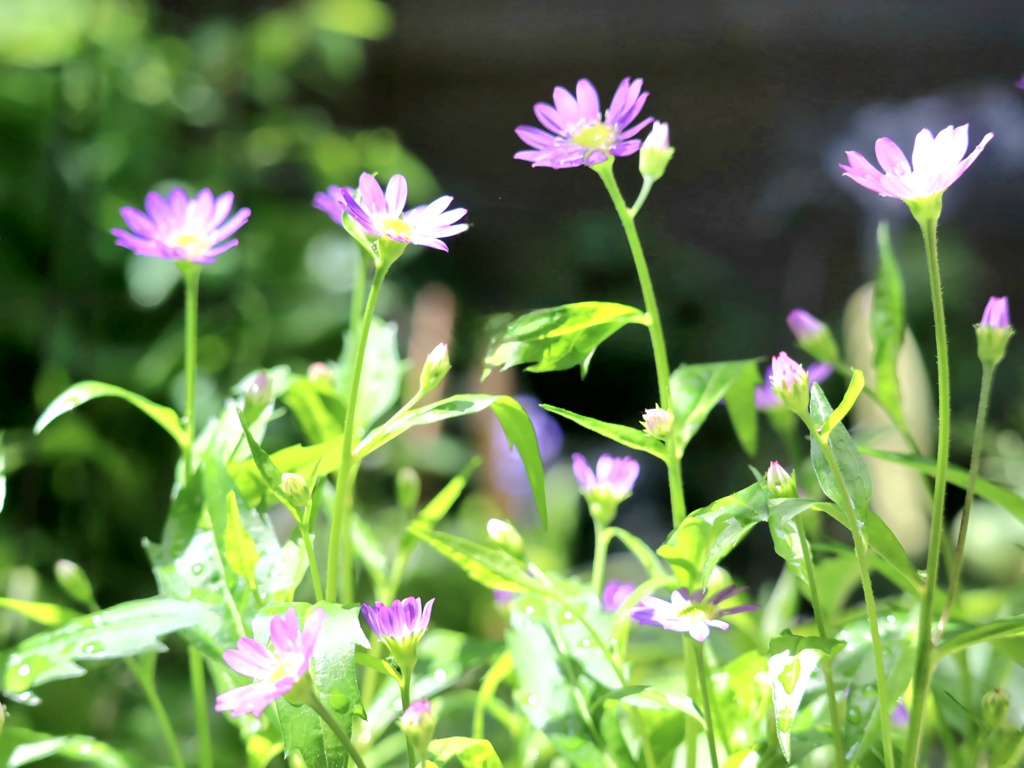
(576, 133)
(382, 213)
(275, 672)
(180, 228)
(506, 468)
(693, 613)
(615, 593)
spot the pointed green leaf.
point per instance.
(556, 338)
(47, 614)
(239, 549)
(317, 407)
(846, 404)
(888, 323)
(739, 404)
(851, 464)
(697, 389)
(782, 522)
(295, 458)
(628, 437)
(490, 567)
(471, 753)
(84, 391)
(707, 535)
(21, 746)
(127, 629)
(960, 638)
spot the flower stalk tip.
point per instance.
(656, 152)
(994, 331)
(790, 382)
(781, 484)
(658, 422)
(813, 336)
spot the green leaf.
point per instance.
(128, 629)
(782, 522)
(239, 549)
(986, 489)
(697, 389)
(489, 567)
(628, 437)
(21, 746)
(846, 404)
(3, 473)
(960, 638)
(556, 338)
(317, 407)
(851, 464)
(888, 323)
(739, 404)
(514, 420)
(334, 676)
(380, 381)
(643, 553)
(791, 662)
(707, 535)
(295, 458)
(84, 391)
(471, 753)
(47, 614)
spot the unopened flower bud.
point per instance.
(320, 373)
(293, 487)
(73, 580)
(781, 484)
(994, 331)
(505, 535)
(994, 707)
(257, 396)
(813, 335)
(789, 380)
(435, 368)
(658, 422)
(418, 723)
(656, 152)
(408, 486)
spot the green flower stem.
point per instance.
(702, 677)
(568, 667)
(190, 274)
(341, 524)
(661, 364)
(314, 571)
(861, 549)
(602, 538)
(645, 190)
(197, 678)
(690, 725)
(406, 701)
(317, 706)
(147, 683)
(826, 663)
(923, 668)
(987, 369)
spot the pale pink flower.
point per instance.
(694, 613)
(938, 161)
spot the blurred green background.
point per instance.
(103, 100)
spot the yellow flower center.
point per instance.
(599, 136)
(696, 612)
(192, 244)
(395, 227)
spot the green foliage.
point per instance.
(556, 338)
(628, 437)
(22, 746)
(854, 472)
(697, 389)
(888, 324)
(471, 753)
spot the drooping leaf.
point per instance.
(888, 323)
(963, 637)
(22, 746)
(514, 421)
(739, 404)
(697, 389)
(707, 535)
(783, 524)
(851, 465)
(127, 629)
(47, 614)
(490, 567)
(239, 549)
(84, 391)
(628, 437)
(853, 391)
(317, 407)
(791, 661)
(556, 338)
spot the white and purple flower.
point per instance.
(694, 613)
(576, 132)
(180, 228)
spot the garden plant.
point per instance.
(304, 637)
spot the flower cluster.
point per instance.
(275, 672)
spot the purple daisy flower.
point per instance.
(182, 229)
(615, 593)
(766, 398)
(694, 613)
(382, 213)
(401, 624)
(275, 672)
(576, 133)
(997, 313)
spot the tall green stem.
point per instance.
(317, 706)
(147, 683)
(406, 701)
(826, 665)
(601, 540)
(702, 674)
(987, 370)
(923, 668)
(341, 524)
(190, 274)
(861, 549)
(661, 364)
(197, 678)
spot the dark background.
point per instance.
(103, 100)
